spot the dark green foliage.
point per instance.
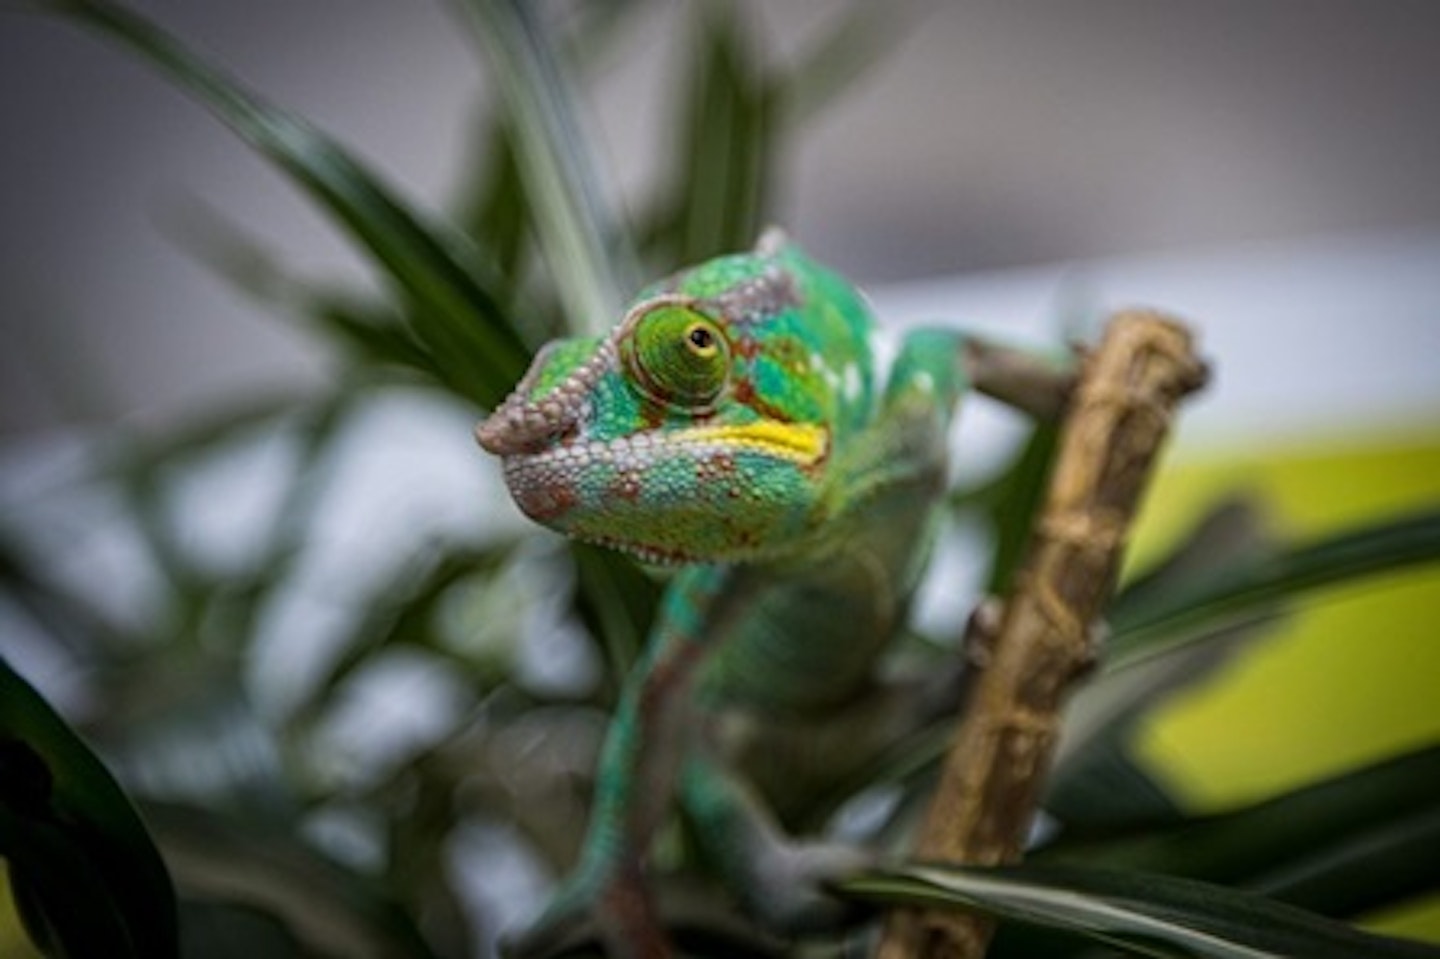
(1141, 913)
(87, 879)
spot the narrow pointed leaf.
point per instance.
(588, 256)
(1342, 846)
(838, 59)
(368, 330)
(1141, 913)
(1018, 497)
(495, 210)
(328, 909)
(81, 860)
(474, 349)
(725, 150)
(616, 601)
(63, 900)
(1146, 625)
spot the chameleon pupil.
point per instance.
(702, 339)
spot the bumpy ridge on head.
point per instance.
(524, 423)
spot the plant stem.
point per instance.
(990, 784)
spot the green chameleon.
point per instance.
(743, 422)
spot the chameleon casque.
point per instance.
(743, 423)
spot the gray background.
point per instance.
(995, 134)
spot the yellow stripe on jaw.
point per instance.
(804, 443)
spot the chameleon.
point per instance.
(747, 423)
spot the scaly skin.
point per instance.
(736, 423)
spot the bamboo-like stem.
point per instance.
(989, 788)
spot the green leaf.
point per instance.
(616, 601)
(472, 344)
(1148, 623)
(588, 257)
(81, 861)
(1019, 491)
(1141, 913)
(402, 613)
(725, 151)
(216, 930)
(494, 210)
(63, 900)
(1094, 783)
(834, 63)
(1103, 788)
(65, 614)
(371, 332)
(1356, 842)
(324, 907)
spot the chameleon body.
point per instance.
(742, 423)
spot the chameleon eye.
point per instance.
(678, 355)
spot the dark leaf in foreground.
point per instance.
(85, 873)
(1364, 840)
(1142, 913)
(1146, 624)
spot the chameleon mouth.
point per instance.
(650, 555)
(568, 485)
(804, 444)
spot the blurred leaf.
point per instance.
(834, 63)
(227, 930)
(1104, 788)
(1094, 784)
(1232, 530)
(64, 902)
(494, 210)
(472, 347)
(67, 616)
(1146, 624)
(1011, 506)
(588, 255)
(81, 860)
(725, 151)
(616, 601)
(369, 331)
(328, 910)
(1140, 913)
(402, 613)
(1343, 846)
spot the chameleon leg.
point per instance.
(1035, 382)
(638, 768)
(779, 881)
(943, 363)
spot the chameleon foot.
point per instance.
(789, 894)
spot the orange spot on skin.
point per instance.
(546, 503)
(652, 413)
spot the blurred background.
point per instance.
(1267, 171)
(989, 136)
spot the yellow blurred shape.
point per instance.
(14, 943)
(1352, 677)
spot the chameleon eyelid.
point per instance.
(653, 380)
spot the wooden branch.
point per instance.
(990, 786)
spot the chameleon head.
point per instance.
(702, 427)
